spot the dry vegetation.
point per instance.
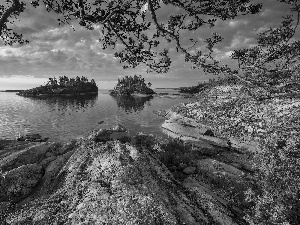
(274, 125)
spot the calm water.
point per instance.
(62, 118)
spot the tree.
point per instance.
(128, 22)
(275, 60)
(10, 9)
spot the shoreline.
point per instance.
(58, 158)
(208, 157)
(57, 95)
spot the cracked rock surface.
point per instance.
(90, 182)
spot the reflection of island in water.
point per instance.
(130, 104)
(72, 103)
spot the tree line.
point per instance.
(64, 81)
(130, 85)
(63, 85)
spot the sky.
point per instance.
(55, 50)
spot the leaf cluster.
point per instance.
(135, 25)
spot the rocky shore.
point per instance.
(257, 139)
(200, 176)
(110, 178)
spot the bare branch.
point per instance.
(176, 38)
(119, 36)
(81, 8)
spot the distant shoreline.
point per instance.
(11, 90)
(168, 88)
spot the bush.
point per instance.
(277, 199)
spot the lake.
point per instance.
(66, 118)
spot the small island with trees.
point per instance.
(132, 86)
(63, 86)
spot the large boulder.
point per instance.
(108, 183)
(175, 129)
(18, 183)
(104, 135)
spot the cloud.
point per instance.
(61, 50)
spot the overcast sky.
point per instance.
(59, 50)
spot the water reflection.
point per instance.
(62, 103)
(130, 104)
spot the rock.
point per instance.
(209, 133)
(162, 113)
(215, 168)
(20, 182)
(66, 147)
(189, 170)
(30, 155)
(173, 168)
(54, 167)
(202, 146)
(100, 122)
(177, 130)
(191, 183)
(212, 204)
(238, 160)
(250, 146)
(102, 135)
(105, 184)
(118, 135)
(45, 162)
(182, 130)
(2, 187)
(174, 117)
(182, 166)
(185, 215)
(32, 138)
(49, 154)
(4, 207)
(40, 216)
(119, 128)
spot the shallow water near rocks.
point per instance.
(66, 118)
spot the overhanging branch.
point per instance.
(172, 35)
(15, 7)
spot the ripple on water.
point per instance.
(67, 118)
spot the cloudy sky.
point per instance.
(60, 50)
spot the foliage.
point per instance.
(63, 85)
(11, 8)
(128, 23)
(131, 85)
(275, 125)
(275, 59)
(171, 152)
(192, 89)
(211, 83)
(175, 152)
(148, 141)
(277, 200)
